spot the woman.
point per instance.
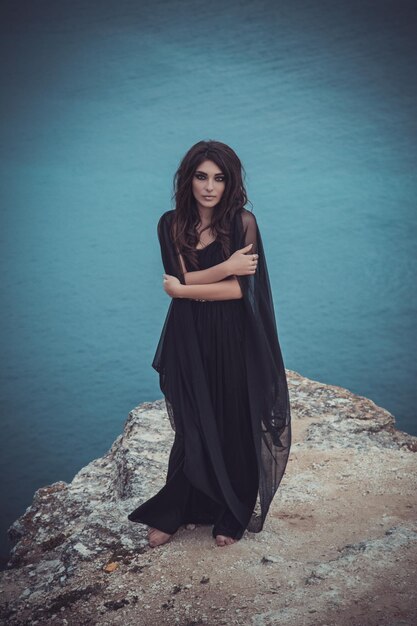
(218, 357)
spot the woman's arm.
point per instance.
(210, 275)
(240, 262)
(226, 289)
(218, 282)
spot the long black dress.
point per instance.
(223, 379)
(220, 330)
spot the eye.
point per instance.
(219, 179)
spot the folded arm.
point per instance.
(226, 289)
(210, 275)
(213, 283)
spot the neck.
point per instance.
(205, 215)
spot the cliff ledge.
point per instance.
(339, 544)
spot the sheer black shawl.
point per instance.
(178, 362)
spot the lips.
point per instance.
(209, 197)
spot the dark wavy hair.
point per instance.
(234, 198)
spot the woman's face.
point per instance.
(209, 183)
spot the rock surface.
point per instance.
(339, 546)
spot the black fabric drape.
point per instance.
(182, 380)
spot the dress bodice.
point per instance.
(210, 255)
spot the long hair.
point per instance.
(186, 217)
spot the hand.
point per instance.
(242, 264)
(172, 285)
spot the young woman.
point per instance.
(218, 357)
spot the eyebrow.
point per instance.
(201, 172)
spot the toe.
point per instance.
(223, 540)
(158, 538)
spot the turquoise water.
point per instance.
(99, 103)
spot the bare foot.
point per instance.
(223, 540)
(157, 537)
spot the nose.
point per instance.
(209, 185)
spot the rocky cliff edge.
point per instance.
(339, 545)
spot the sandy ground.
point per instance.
(344, 552)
